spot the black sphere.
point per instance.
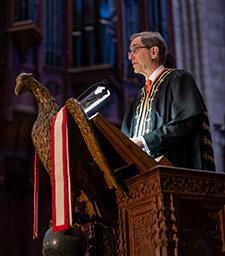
(71, 242)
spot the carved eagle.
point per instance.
(87, 176)
(47, 108)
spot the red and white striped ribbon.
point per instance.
(35, 198)
(61, 186)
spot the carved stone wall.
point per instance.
(200, 49)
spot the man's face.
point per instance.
(140, 57)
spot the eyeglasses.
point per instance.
(136, 49)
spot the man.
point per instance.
(168, 117)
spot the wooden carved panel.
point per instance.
(147, 227)
(169, 212)
(139, 191)
(143, 234)
(195, 185)
(199, 229)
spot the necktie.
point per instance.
(148, 85)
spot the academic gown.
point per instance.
(177, 124)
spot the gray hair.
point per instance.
(151, 39)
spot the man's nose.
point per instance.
(130, 56)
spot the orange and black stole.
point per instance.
(144, 108)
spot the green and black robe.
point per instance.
(173, 122)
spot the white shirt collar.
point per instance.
(153, 76)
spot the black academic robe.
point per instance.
(178, 126)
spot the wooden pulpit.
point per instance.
(172, 211)
(152, 208)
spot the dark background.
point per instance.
(70, 45)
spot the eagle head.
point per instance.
(24, 82)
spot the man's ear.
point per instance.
(154, 52)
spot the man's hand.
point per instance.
(138, 141)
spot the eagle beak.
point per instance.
(20, 84)
(18, 88)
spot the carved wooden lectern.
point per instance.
(172, 211)
(153, 208)
(127, 203)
